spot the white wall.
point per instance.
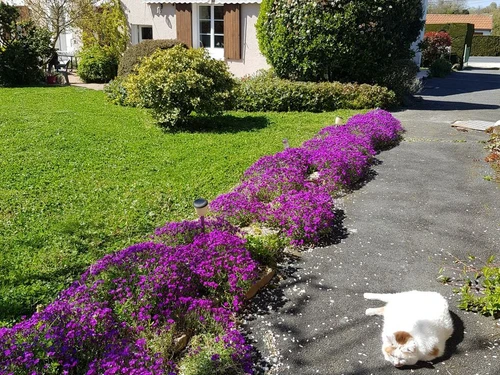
(418, 55)
(160, 16)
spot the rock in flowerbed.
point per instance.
(134, 311)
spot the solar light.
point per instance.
(201, 207)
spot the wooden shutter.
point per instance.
(183, 16)
(24, 13)
(232, 33)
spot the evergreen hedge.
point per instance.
(146, 48)
(487, 45)
(461, 34)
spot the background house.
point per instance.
(483, 23)
(225, 27)
(226, 30)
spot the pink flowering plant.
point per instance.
(128, 312)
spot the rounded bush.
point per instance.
(336, 40)
(178, 81)
(135, 53)
(440, 68)
(97, 64)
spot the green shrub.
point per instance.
(400, 77)
(116, 91)
(178, 81)
(23, 49)
(138, 51)
(460, 33)
(488, 45)
(336, 40)
(266, 92)
(97, 64)
(440, 68)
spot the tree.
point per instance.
(105, 26)
(58, 15)
(316, 40)
(448, 7)
(23, 49)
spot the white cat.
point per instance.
(416, 326)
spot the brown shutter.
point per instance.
(24, 13)
(232, 34)
(184, 25)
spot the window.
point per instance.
(215, 27)
(146, 32)
(211, 26)
(208, 25)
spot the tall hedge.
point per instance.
(138, 51)
(461, 34)
(347, 40)
(487, 45)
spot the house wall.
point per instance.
(162, 18)
(482, 31)
(418, 55)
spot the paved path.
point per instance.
(74, 80)
(427, 199)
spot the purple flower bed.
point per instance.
(111, 320)
(288, 191)
(127, 311)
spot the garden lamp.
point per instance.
(201, 207)
(285, 143)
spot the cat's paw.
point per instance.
(371, 312)
(375, 311)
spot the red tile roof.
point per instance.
(480, 21)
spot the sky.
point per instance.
(481, 3)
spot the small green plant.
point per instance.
(210, 355)
(265, 248)
(440, 68)
(116, 91)
(479, 289)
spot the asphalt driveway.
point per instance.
(428, 199)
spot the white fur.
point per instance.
(424, 315)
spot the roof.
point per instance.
(480, 21)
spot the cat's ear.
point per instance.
(410, 347)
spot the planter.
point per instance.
(51, 80)
(265, 277)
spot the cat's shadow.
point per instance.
(451, 345)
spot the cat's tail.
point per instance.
(384, 297)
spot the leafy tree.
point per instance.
(316, 40)
(105, 26)
(23, 49)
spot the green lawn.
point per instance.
(80, 177)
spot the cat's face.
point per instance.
(400, 349)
